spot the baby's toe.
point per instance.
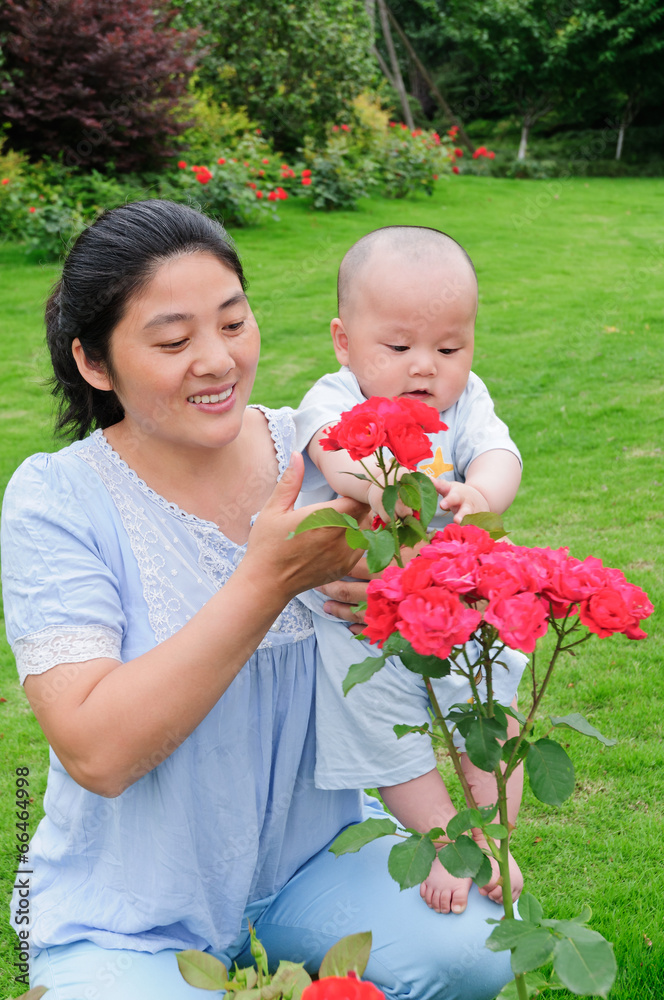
(459, 899)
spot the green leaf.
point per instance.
(482, 745)
(409, 862)
(464, 820)
(573, 930)
(350, 954)
(485, 872)
(427, 666)
(326, 518)
(401, 729)
(411, 532)
(581, 725)
(291, 979)
(533, 950)
(409, 494)
(535, 983)
(587, 967)
(463, 858)
(497, 831)
(489, 521)
(508, 933)
(361, 672)
(550, 771)
(508, 748)
(198, 968)
(381, 550)
(356, 836)
(428, 495)
(390, 497)
(356, 538)
(395, 644)
(529, 908)
(519, 716)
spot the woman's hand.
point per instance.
(312, 558)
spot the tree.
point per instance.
(295, 66)
(96, 81)
(522, 52)
(623, 45)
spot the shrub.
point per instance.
(116, 73)
(226, 191)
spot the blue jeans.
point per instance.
(416, 953)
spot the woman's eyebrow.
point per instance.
(163, 319)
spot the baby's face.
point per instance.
(409, 331)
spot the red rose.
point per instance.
(181, 164)
(407, 441)
(32, 209)
(265, 160)
(345, 128)
(609, 611)
(335, 128)
(306, 173)
(272, 196)
(520, 620)
(455, 170)
(360, 432)
(491, 155)
(458, 152)
(281, 193)
(342, 988)
(261, 173)
(252, 185)
(416, 576)
(380, 618)
(259, 194)
(221, 160)
(571, 581)
(412, 409)
(434, 621)
(457, 572)
(306, 181)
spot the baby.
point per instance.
(407, 307)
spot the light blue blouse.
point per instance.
(96, 564)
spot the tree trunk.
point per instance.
(396, 71)
(525, 129)
(621, 136)
(432, 86)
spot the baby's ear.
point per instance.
(339, 340)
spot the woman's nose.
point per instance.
(213, 356)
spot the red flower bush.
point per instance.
(402, 425)
(526, 589)
(342, 988)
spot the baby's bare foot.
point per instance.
(444, 893)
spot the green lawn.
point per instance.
(569, 339)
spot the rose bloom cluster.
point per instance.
(342, 988)
(430, 601)
(402, 425)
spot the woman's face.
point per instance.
(184, 356)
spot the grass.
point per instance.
(569, 339)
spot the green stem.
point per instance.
(449, 745)
(504, 865)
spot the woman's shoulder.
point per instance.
(279, 424)
(46, 478)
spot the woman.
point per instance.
(164, 655)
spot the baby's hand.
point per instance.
(444, 893)
(460, 498)
(494, 890)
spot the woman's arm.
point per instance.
(109, 723)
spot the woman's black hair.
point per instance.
(111, 262)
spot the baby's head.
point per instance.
(407, 307)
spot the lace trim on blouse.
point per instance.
(39, 651)
(167, 588)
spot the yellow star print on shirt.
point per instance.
(437, 467)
